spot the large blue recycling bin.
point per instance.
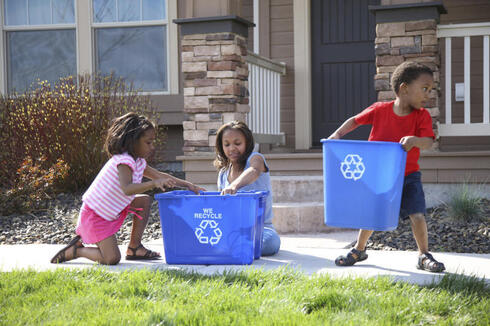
(259, 225)
(363, 183)
(210, 228)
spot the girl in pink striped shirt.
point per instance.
(116, 191)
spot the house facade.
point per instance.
(294, 69)
(339, 56)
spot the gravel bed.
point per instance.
(56, 225)
(445, 234)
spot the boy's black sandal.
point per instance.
(428, 263)
(352, 257)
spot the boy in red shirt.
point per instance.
(404, 121)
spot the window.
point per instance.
(131, 41)
(40, 41)
(49, 39)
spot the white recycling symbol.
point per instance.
(352, 167)
(211, 225)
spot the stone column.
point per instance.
(407, 33)
(215, 77)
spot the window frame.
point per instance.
(19, 28)
(85, 41)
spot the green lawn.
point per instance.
(284, 297)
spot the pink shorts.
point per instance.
(93, 228)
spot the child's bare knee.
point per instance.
(417, 217)
(112, 260)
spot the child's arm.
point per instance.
(154, 174)
(257, 166)
(349, 125)
(408, 142)
(129, 188)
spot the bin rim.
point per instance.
(208, 194)
(391, 143)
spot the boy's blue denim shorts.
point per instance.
(413, 198)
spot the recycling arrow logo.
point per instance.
(208, 232)
(352, 167)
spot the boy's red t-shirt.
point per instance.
(387, 126)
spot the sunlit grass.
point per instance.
(97, 296)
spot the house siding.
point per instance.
(402, 2)
(247, 12)
(171, 147)
(282, 49)
(466, 11)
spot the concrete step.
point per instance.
(298, 204)
(300, 217)
(297, 188)
(436, 167)
(199, 169)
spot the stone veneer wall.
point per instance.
(215, 86)
(397, 42)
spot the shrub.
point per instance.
(66, 122)
(464, 205)
(34, 185)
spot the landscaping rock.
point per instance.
(56, 225)
(445, 233)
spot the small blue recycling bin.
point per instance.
(210, 228)
(363, 183)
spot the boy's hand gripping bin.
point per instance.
(363, 183)
(211, 228)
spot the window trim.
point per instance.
(84, 37)
(45, 27)
(131, 24)
(85, 42)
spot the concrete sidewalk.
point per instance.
(309, 253)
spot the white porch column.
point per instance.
(302, 74)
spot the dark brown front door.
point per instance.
(343, 64)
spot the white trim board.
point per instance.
(302, 74)
(462, 129)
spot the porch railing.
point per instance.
(467, 128)
(264, 81)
